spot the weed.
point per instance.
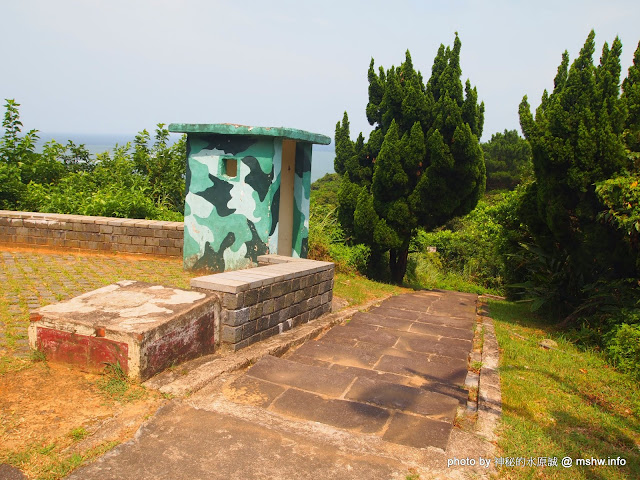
(473, 394)
(78, 433)
(412, 475)
(116, 386)
(37, 356)
(476, 366)
(45, 450)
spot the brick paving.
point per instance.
(33, 278)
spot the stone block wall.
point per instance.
(260, 302)
(80, 232)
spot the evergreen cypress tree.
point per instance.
(575, 138)
(422, 164)
(631, 97)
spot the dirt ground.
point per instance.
(51, 411)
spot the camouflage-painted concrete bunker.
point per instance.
(247, 193)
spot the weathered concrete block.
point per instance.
(262, 323)
(265, 293)
(233, 301)
(284, 314)
(137, 240)
(236, 317)
(274, 319)
(143, 327)
(175, 234)
(278, 303)
(268, 306)
(248, 329)
(314, 302)
(90, 227)
(255, 311)
(289, 298)
(251, 297)
(151, 241)
(165, 242)
(324, 298)
(231, 334)
(269, 333)
(279, 289)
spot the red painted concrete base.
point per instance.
(90, 353)
(145, 328)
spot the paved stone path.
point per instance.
(369, 399)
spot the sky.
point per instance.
(117, 67)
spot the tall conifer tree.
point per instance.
(422, 164)
(576, 141)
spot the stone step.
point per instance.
(429, 366)
(417, 325)
(438, 317)
(347, 400)
(298, 375)
(356, 332)
(352, 385)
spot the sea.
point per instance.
(321, 163)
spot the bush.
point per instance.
(326, 241)
(479, 245)
(623, 348)
(112, 189)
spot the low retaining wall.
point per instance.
(260, 302)
(91, 233)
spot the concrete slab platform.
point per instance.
(304, 377)
(351, 399)
(400, 397)
(352, 333)
(442, 330)
(442, 346)
(141, 326)
(253, 391)
(373, 318)
(184, 443)
(352, 416)
(341, 354)
(418, 432)
(410, 381)
(428, 370)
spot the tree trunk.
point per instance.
(398, 263)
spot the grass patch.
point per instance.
(48, 461)
(78, 433)
(357, 289)
(562, 402)
(116, 386)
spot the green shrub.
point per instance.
(326, 241)
(478, 246)
(623, 348)
(350, 258)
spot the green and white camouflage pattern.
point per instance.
(230, 220)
